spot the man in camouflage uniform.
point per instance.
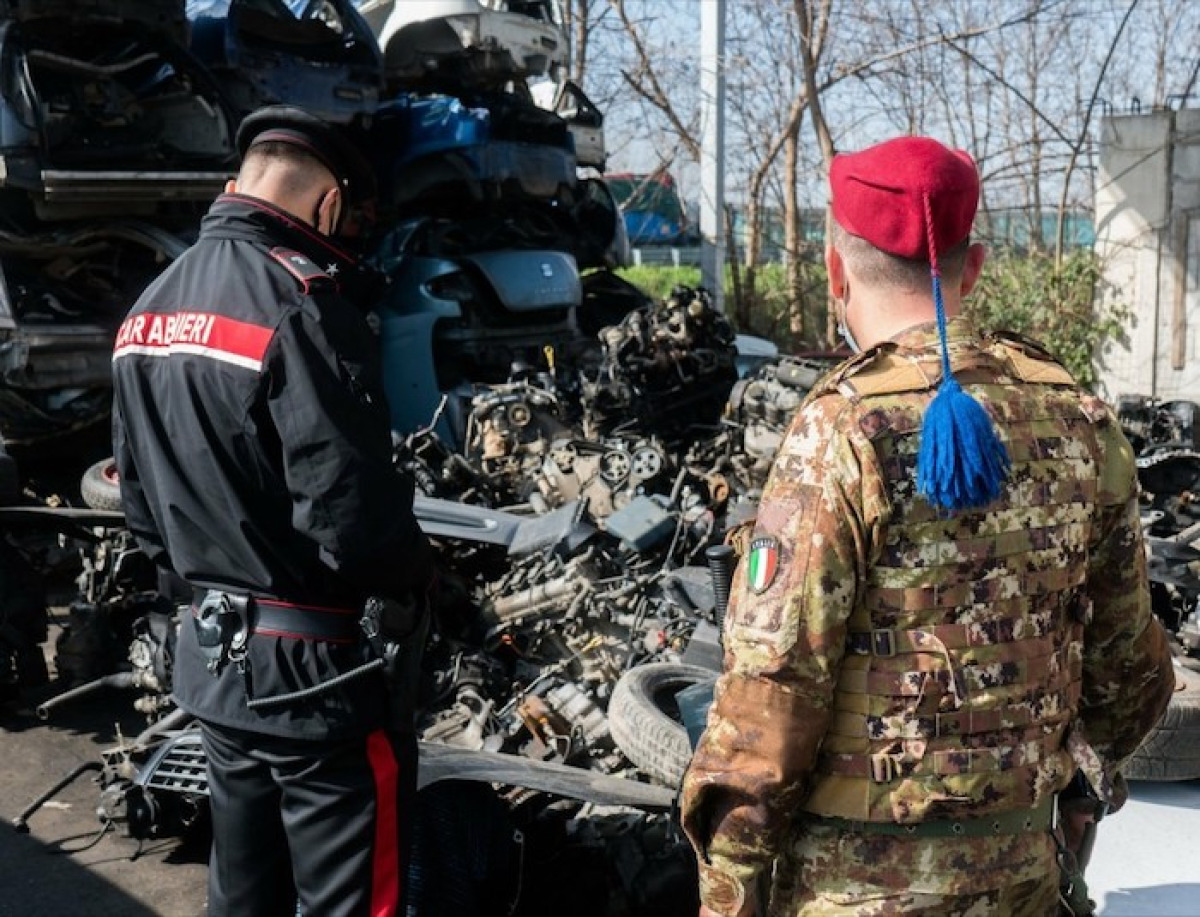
(908, 687)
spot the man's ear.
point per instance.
(973, 266)
(231, 186)
(329, 212)
(835, 271)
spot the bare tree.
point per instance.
(1081, 137)
(645, 78)
(584, 19)
(1017, 82)
(813, 19)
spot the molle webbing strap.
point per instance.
(1019, 606)
(946, 725)
(938, 595)
(933, 544)
(931, 655)
(915, 682)
(884, 767)
(926, 658)
(886, 641)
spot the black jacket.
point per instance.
(252, 439)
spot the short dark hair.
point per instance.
(299, 169)
(878, 268)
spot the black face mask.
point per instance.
(352, 221)
(363, 285)
(355, 226)
(351, 245)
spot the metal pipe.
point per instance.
(541, 598)
(177, 718)
(119, 680)
(1188, 535)
(21, 822)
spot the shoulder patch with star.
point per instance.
(303, 268)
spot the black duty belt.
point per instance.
(278, 618)
(1037, 819)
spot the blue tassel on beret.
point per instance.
(961, 463)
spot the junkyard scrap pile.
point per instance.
(578, 448)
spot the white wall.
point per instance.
(1148, 237)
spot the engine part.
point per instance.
(663, 368)
(578, 709)
(642, 524)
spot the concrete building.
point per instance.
(1148, 237)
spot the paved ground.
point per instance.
(61, 869)
(1145, 863)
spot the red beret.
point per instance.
(879, 194)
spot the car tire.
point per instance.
(643, 718)
(100, 486)
(1172, 750)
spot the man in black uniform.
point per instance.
(252, 440)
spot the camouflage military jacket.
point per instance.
(1044, 591)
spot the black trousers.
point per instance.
(327, 824)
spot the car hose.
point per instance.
(720, 567)
(274, 700)
(119, 680)
(21, 822)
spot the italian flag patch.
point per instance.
(764, 563)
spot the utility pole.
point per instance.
(712, 149)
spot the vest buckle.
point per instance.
(884, 768)
(883, 642)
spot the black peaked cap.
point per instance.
(330, 144)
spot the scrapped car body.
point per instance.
(469, 41)
(112, 137)
(104, 104)
(319, 55)
(465, 46)
(64, 288)
(127, 111)
(1165, 436)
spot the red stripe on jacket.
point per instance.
(203, 333)
(385, 867)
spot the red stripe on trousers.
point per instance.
(385, 870)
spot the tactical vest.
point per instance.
(963, 663)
